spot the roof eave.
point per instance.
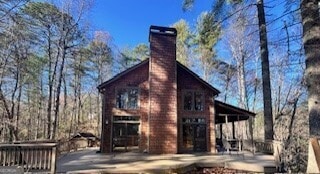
(216, 91)
(236, 109)
(118, 76)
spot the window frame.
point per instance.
(127, 89)
(193, 100)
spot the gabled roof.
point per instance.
(118, 76)
(198, 78)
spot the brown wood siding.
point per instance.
(185, 81)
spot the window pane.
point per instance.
(133, 129)
(127, 98)
(133, 99)
(188, 101)
(198, 101)
(122, 97)
(187, 137)
(119, 134)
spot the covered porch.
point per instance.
(228, 132)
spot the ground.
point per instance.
(88, 161)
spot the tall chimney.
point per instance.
(163, 91)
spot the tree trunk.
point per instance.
(51, 77)
(267, 102)
(65, 105)
(57, 104)
(311, 43)
(242, 83)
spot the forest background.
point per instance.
(52, 59)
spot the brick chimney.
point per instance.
(163, 91)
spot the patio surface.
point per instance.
(88, 161)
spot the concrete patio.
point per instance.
(88, 161)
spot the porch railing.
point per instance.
(31, 157)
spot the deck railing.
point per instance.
(258, 146)
(264, 147)
(32, 157)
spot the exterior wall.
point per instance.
(138, 78)
(163, 93)
(185, 82)
(160, 100)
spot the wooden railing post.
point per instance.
(313, 156)
(277, 149)
(53, 159)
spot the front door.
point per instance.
(194, 135)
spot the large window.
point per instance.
(127, 98)
(126, 133)
(193, 101)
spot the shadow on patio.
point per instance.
(88, 161)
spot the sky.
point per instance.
(128, 21)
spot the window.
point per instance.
(193, 101)
(127, 98)
(188, 101)
(126, 132)
(194, 120)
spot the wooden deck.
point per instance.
(88, 161)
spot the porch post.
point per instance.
(240, 137)
(221, 130)
(227, 135)
(233, 131)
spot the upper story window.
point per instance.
(127, 98)
(193, 101)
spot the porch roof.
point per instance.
(233, 113)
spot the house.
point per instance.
(160, 106)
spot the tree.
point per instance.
(242, 50)
(43, 19)
(60, 33)
(43, 65)
(311, 42)
(132, 56)
(206, 38)
(15, 50)
(219, 9)
(184, 38)
(100, 59)
(266, 87)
